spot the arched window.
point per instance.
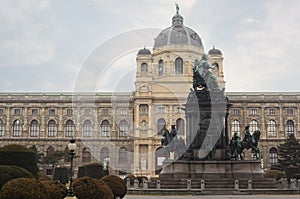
(289, 127)
(105, 128)
(70, 128)
(180, 126)
(52, 128)
(34, 129)
(273, 156)
(103, 154)
(161, 68)
(271, 128)
(160, 156)
(160, 124)
(86, 155)
(178, 66)
(123, 159)
(253, 126)
(123, 128)
(1, 128)
(50, 149)
(17, 128)
(144, 69)
(87, 129)
(235, 128)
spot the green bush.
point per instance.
(61, 174)
(94, 170)
(44, 177)
(19, 155)
(290, 171)
(56, 190)
(8, 173)
(116, 184)
(277, 174)
(131, 177)
(297, 176)
(90, 188)
(24, 188)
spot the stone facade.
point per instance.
(126, 126)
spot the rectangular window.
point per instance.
(123, 111)
(271, 111)
(235, 111)
(87, 111)
(1, 111)
(52, 112)
(162, 109)
(17, 111)
(34, 111)
(290, 111)
(69, 112)
(105, 111)
(253, 111)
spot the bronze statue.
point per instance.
(203, 78)
(237, 144)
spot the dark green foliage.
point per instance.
(53, 157)
(24, 188)
(116, 184)
(277, 174)
(291, 171)
(19, 155)
(8, 173)
(61, 174)
(90, 188)
(81, 172)
(56, 190)
(92, 170)
(44, 177)
(289, 153)
(38, 155)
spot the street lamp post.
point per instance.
(71, 147)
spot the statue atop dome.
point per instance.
(177, 8)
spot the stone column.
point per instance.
(263, 123)
(150, 129)
(43, 125)
(170, 114)
(136, 121)
(281, 122)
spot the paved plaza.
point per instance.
(215, 197)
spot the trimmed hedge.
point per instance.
(24, 188)
(19, 155)
(90, 188)
(8, 173)
(94, 170)
(61, 174)
(56, 190)
(274, 174)
(44, 177)
(116, 184)
(291, 171)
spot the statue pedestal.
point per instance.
(230, 169)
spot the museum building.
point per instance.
(126, 127)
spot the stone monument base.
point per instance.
(230, 169)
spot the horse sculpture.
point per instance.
(237, 145)
(172, 143)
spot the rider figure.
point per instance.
(247, 135)
(234, 142)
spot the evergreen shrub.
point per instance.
(19, 155)
(116, 184)
(91, 188)
(24, 188)
(8, 172)
(61, 174)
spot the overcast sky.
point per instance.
(45, 44)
